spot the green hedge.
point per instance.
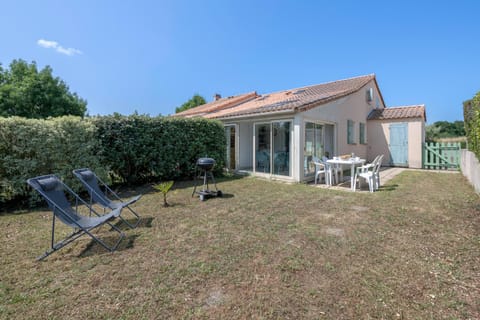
(30, 147)
(471, 115)
(141, 148)
(130, 149)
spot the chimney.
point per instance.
(217, 96)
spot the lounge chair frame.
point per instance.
(68, 214)
(93, 184)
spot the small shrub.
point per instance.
(164, 187)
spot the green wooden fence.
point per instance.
(441, 156)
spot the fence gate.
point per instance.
(441, 156)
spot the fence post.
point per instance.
(424, 155)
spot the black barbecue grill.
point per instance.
(205, 166)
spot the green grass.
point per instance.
(266, 250)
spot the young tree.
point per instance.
(26, 92)
(196, 100)
(432, 133)
(444, 129)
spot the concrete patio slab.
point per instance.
(386, 174)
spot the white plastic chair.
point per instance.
(367, 172)
(322, 168)
(377, 172)
(263, 161)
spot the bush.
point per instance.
(31, 147)
(140, 148)
(133, 149)
(471, 115)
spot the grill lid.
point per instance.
(206, 163)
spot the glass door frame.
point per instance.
(306, 161)
(255, 142)
(228, 152)
(271, 123)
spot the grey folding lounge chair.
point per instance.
(94, 186)
(53, 190)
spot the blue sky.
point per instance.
(152, 56)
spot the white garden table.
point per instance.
(352, 162)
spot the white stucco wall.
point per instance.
(379, 138)
(353, 107)
(471, 168)
(297, 148)
(245, 149)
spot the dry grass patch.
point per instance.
(265, 250)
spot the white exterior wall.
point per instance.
(245, 143)
(297, 148)
(379, 139)
(471, 168)
(353, 107)
(245, 148)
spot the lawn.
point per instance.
(266, 250)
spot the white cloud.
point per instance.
(68, 51)
(47, 44)
(57, 47)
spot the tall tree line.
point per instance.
(28, 92)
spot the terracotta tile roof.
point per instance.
(216, 105)
(402, 112)
(288, 101)
(293, 100)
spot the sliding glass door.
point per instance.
(262, 147)
(314, 146)
(272, 148)
(281, 148)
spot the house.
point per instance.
(276, 134)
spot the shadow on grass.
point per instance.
(145, 222)
(171, 205)
(388, 187)
(187, 184)
(130, 191)
(93, 248)
(224, 196)
(16, 209)
(24, 205)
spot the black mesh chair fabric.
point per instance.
(54, 191)
(93, 184)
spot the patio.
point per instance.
(386, 174)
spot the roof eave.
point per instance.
(397, 118)
(255, 114)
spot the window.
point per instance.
(362, 136)
(350, 132)
(369, 95)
